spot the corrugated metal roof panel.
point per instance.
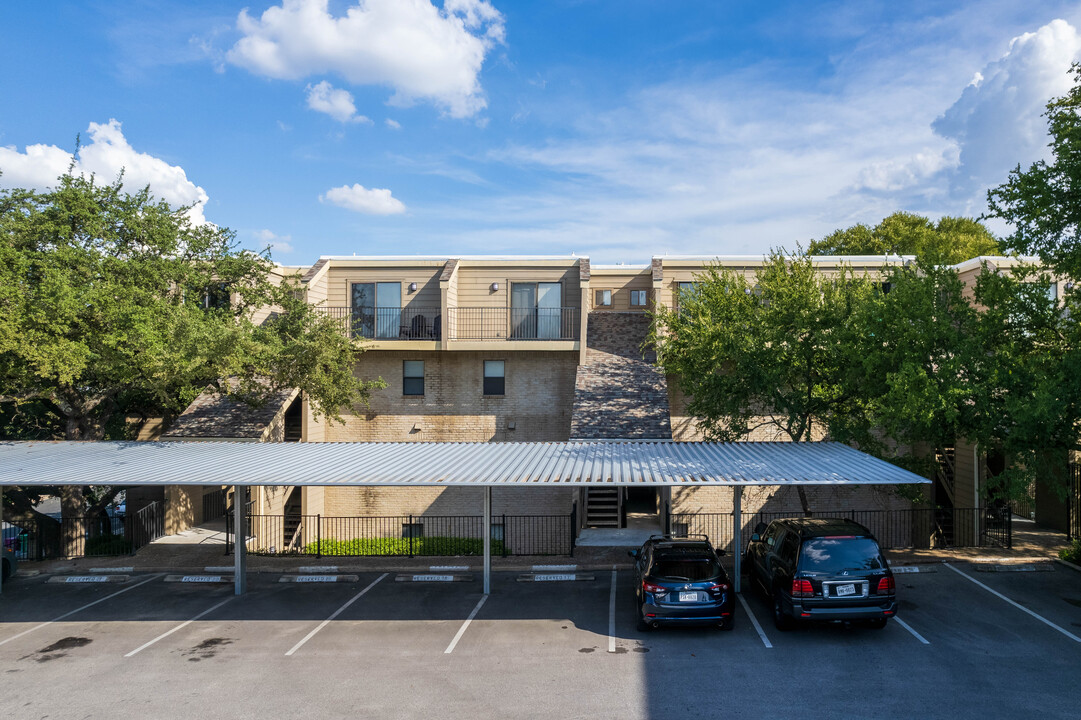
(460, 464)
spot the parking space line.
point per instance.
(181, 626)
(754, 621)
(80, 609)
(337, 612)
(462, 629)
(915, 634)
(1042, 619)
(612, 615)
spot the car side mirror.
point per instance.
(720, 552)
(755, 537)
(759, 528)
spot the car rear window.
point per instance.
(829, 555)
(685, 569)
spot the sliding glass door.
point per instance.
(377, 310)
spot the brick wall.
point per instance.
(538, 399)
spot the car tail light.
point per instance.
(886, 586)
(718, 588)
(802, 588)
(652, 588)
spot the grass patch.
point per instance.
(428, 546)
(1073, 553)
(108, 545)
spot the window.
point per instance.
(638, 298)
(686, 289)
(413, 377)
(604, 298)
(536, 311)
(377, 309)
(494, 380)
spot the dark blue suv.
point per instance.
(681, 581)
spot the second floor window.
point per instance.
(638, 298)
(413, 377)
(604, 298)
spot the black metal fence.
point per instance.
(214, 504)
(493, 323)
(73, 537)
(411, 535)
(1073, 503)
(894, 529)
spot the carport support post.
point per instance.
(488, 540)
(240, 538)
(737, 529)
(2, 532)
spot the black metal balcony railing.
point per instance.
(465, 323)
(479, 323)
(411, 323)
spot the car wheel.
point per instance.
(726, 625)
(6, 573)
(878, 623)
(780, 620)
(641, 625)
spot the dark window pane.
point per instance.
(494, 386)
(685, 569)
(413, 386)
(831, 555)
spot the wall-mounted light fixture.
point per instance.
(495, 287)
(510, 425)
(412, 287)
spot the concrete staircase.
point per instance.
(618, 394)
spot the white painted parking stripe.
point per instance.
(79, 609)
(612, 615)
(1042, 619)
(337, 612)
(915, 634)
(181, 626)
(462, 629)
(754, 621)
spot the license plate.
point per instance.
(688, 597)
(846, 590)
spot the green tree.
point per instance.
(775, 352)
(949, 241)
(111, 301)
(1042, 203)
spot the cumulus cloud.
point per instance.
(393, 124)
(424, 53)
(106, 155)
(374, 201)
(277, 243)
(325, 98)
(998, 120)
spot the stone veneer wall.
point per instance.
(618, 392)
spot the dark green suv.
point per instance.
(821, 569)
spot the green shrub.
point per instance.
(401, 546)
(1072, 553)
(108, 545)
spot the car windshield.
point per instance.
(686, 569)
(829, 555)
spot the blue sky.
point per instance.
(617, 130)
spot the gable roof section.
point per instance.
(213, 416)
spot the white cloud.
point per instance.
(374, 201)
(998, 120)
(106, 155)
(420, 51)
(277, 243)
(324, 98)
(393, 124)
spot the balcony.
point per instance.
(464, 323)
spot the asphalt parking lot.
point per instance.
(969, 643)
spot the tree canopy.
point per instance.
(1041, 203)
(949, 241)
(113, 302)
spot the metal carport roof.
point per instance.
(444, 464)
